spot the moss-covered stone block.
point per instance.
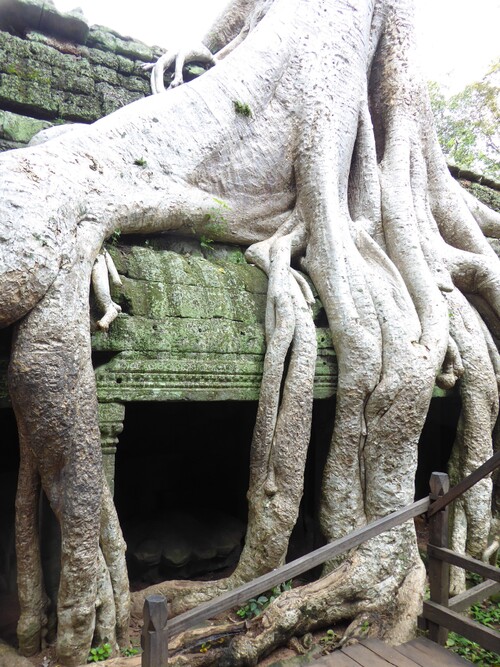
(486, 195)
(107, 40)
(73, 79)
(134, 84)
(105, 58)
(180, 335)
(6, 145)
(32, 96)
(112, 98)
(127, 66)
(106, 74)
(78, 108)
(17, 128)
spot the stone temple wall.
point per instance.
(55, 68)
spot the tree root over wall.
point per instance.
(336, 169)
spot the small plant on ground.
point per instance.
(256, 606)
(100, 653)
(130, 651)
(365, 626)
(472, 651)
(488, 614)
(206, 646)
(329, 641)
(206, 242)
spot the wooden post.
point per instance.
(154, 638)
(439, 571)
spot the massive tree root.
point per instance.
(336, 168)
(53, 394)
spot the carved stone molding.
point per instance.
(111, 417)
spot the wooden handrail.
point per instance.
(473, 595)
(465, 484)
(432, 611)
(240, 595)
(440, 612)
(466, 562)
(472, 630)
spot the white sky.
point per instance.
(458, 38)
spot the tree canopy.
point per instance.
(468, 123)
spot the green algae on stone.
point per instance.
(15, 127)
(487, 196)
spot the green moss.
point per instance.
(485, 195)
(21, 129)
(242, 108)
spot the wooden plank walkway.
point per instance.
(374, 653)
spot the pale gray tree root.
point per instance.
(473, 444)
(53, 395)
(104, 273)
(348, 591)
(9, 657)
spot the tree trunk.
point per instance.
(315, 133)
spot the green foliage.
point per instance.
(130, 651)
(256, 606)
(365, 626)
(140, 162)
(473, 579)
(115, 237)
(206, 646)
(329, 641)
(100, 653)
(215, 224)
(242, 108)
(206, 242)
(468, 123)
(488, 614)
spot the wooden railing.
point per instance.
(439, 611)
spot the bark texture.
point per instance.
(315, 132)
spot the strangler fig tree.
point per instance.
(337, 170)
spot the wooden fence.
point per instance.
(440, 613)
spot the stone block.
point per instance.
(32, 96)
(42, 15)
(107, 40)
(73, 80)
(112, 98)
(6, 145)
(79, 108)
(135, 84)
(98, 57)
(105, 74)
(20, 129)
